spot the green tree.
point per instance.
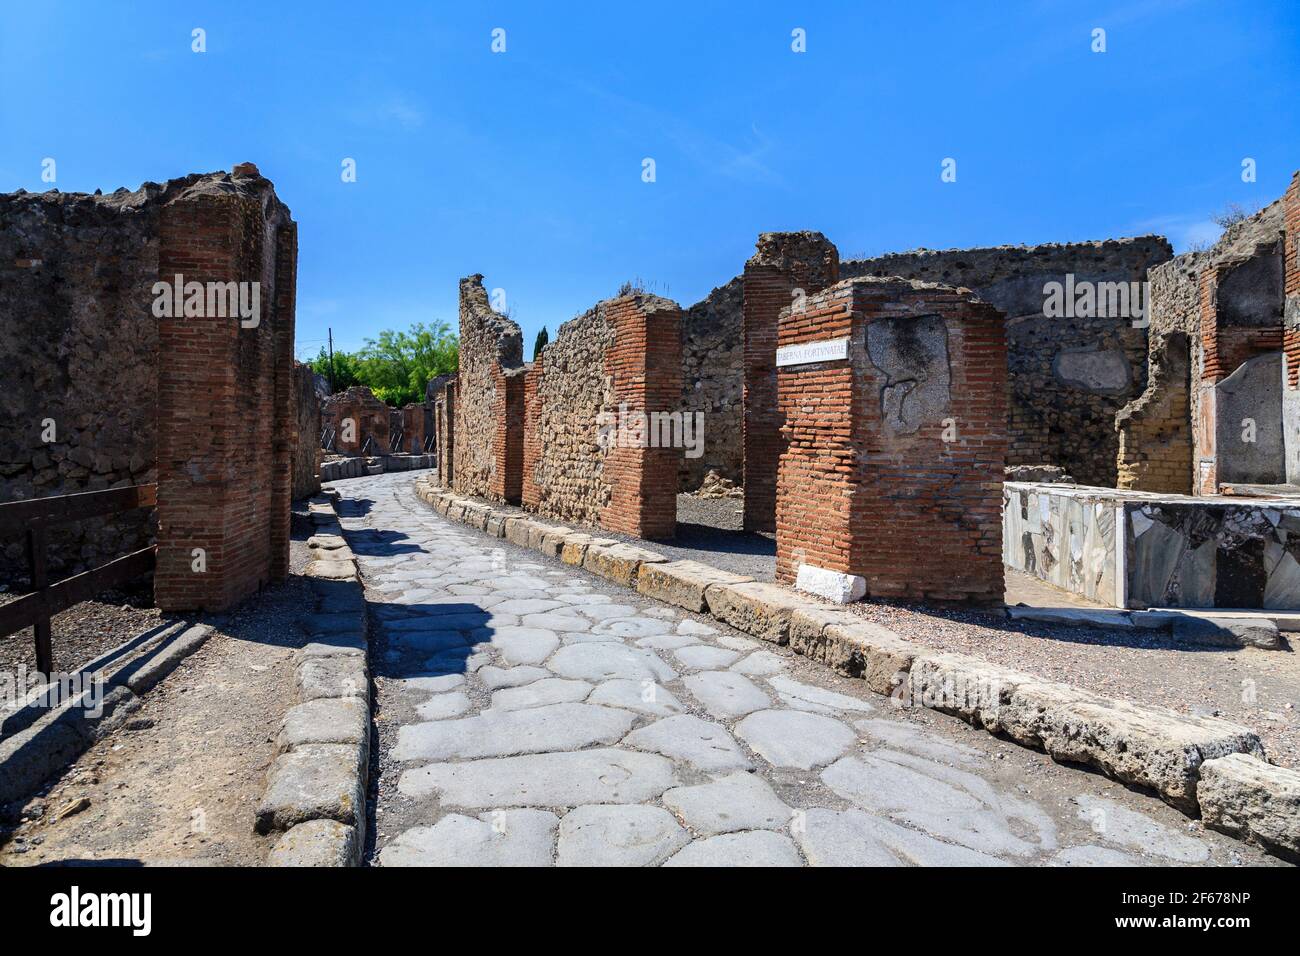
(396, 366)
(540, 343)
(345, 373)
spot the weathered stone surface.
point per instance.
(607, 660)
(619, 563)
(1117, 824)
(854, 838)
(704, 657)
(313, 782)
(787, 738)
(332, 677)
(762, 610)
(726, 695)
(757, 848)
(834, 586)
(317, 843)
(494, 677)
(1227, 632)
(442, 706)
(1254, 801)
(551, 690)
(853, 647)
(701, 743)
(332, 570)
(642, 696)
(499, 838)
(344, 720)
(683, 582)
(545, 780)
(525, 645)
(818, 700)
(498, 733)
(618, 836)
(738, 801)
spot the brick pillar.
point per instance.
(894, 399)
(508, 438)
(1206, 482)
(645, 369)
(530, 493)
(784, 262)
(225, 398)
(446, 420)
(1291, 265)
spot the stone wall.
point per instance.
(356, 415)
(1229, 302)
(894, 443)
(444, 423)
(713, 376)
(590, 455)
(306, 459)
(785, 265)
(488, 423)
(1068, 376)
(79, 408)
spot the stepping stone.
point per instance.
(497, 838)
(524, 645)
(643, 696)
(790, 738)
(605, 661)
(760, 664)
(703, 657)
(701, 743)
(738, 801)
(496, 733)
(815, 699)
(601, 775)
(618, 836)
(552, 690)
(758, 848)
(442, 706)
(494, 677)
(854, 838)
(725, 695)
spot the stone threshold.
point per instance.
(1204, 766)
(316, 788)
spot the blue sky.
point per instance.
(527, 165)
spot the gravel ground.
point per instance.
(86, 630)
(179, 782)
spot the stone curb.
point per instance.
(1151, 747)
(42, 741)
(1203, 629)
(316, 787)
(358, 466)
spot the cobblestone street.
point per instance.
(530, 713)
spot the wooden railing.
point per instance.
(35, 516)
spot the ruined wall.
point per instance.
(591, 455)
(1228, 301)
(713, 377)
(1068, 376)
(488, 427)
(369, 418)
(784, 265)
(306, 459)
(226, 397)
(444, 423)
(80, 350)
(1155, 432)
(893, 461)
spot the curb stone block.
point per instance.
(1225, 632)
(312, 782)
(762, 610)
(325, 677)
(852, 647)
(342, 720)
(516, 530)
(168, 659)
(683, 583)
(620, 563)
(574, 550)
(550, 539)
(317, 843)
(332, 570)
(1253, 801)
(496, 525)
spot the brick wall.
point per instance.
(713, 382)
(892, 461)
(488, 427)
(1155, 441)
(587, 457)
(783, 263)
(444, 418)
(227, 425)
(356, 415)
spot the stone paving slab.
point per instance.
(580, 723)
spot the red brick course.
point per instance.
(919, 517)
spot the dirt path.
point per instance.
(178, 783)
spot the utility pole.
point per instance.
(331, 338)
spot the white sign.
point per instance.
(806, 352)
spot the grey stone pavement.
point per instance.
(530, 713)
